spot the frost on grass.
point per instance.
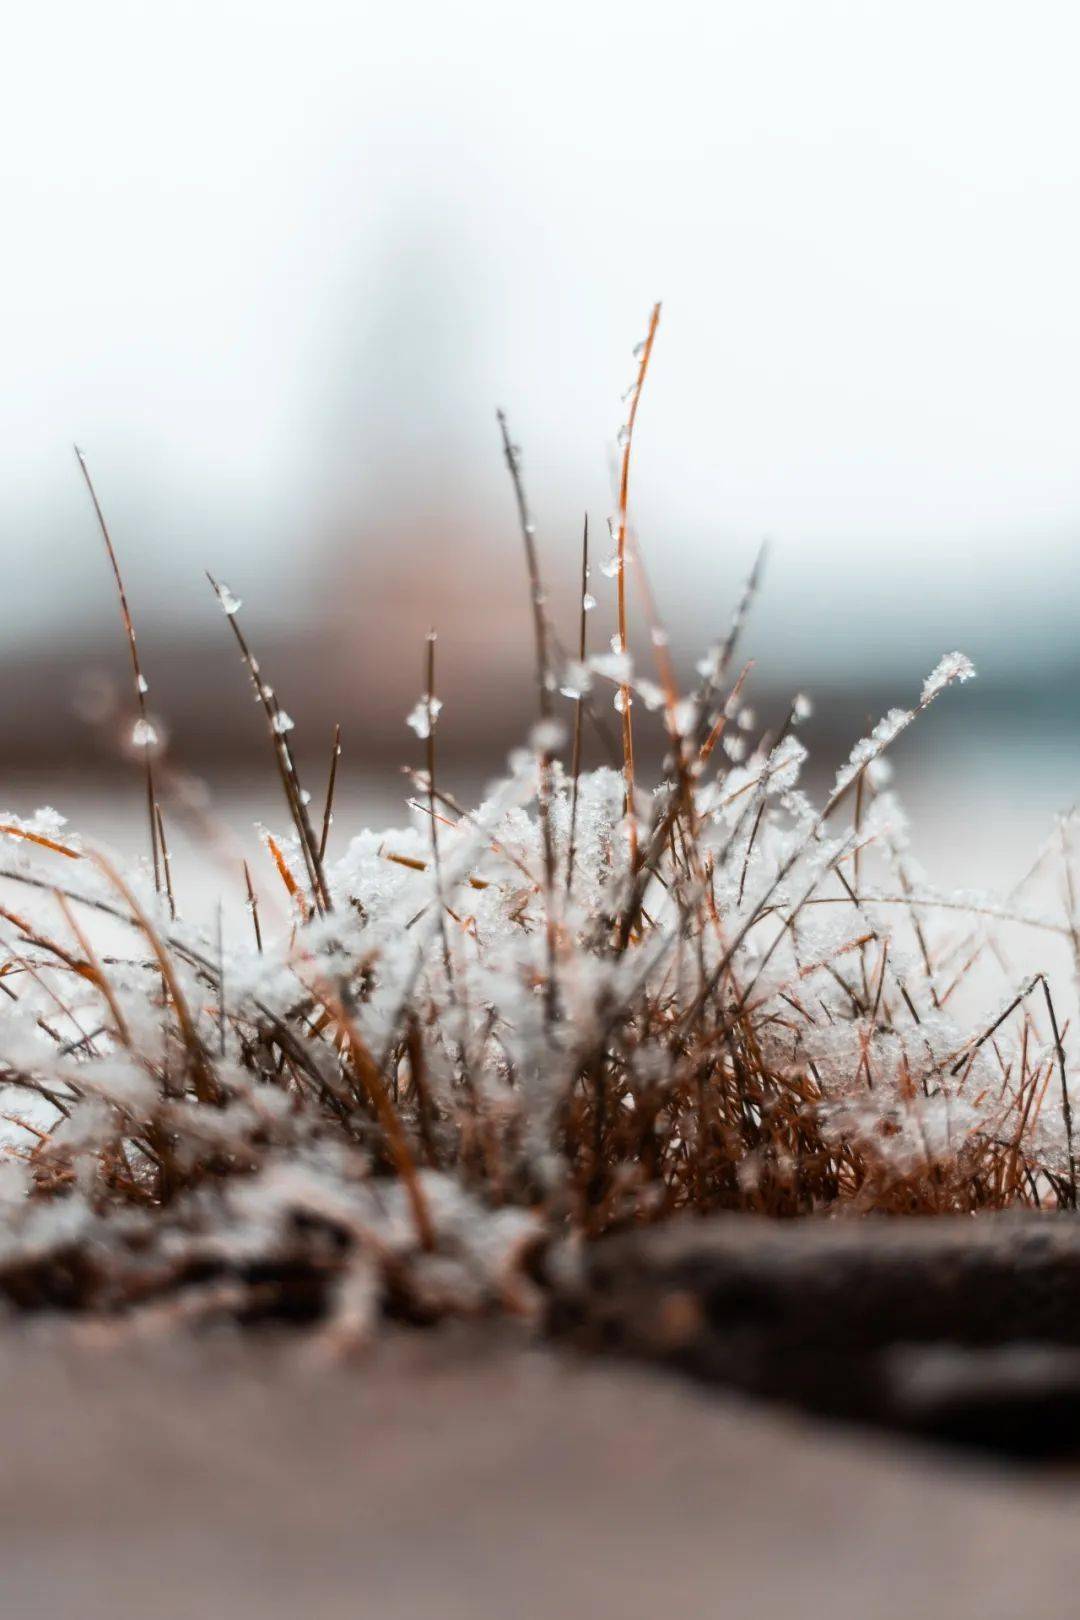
(230, 604)
(424, 714)
(588, 1003)
(953, 667)
(435, 1068)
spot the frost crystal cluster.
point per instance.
(559, 1013)
(584, 1005)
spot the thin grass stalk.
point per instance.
(137, 676)
(290, 780)
(620, 552)
(575, 759)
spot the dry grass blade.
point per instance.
(40, 840)
(627, 437)
(279, 725)
(512, 457)
(575, 765)
(328, 809)
(145, 730)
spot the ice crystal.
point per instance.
(650, 693)
(422, 717)
(615, 666)
(577, 679)
(953, 667)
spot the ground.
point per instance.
(468, 1474)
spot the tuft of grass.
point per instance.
(581, 1007)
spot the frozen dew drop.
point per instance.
(660, 636)
(639, 349)
(588, 601)
(802, 708)
(230, 604)
(305, 796)
(283, 722)
(622, 438)
(611, 568)
(142, 685)
(622, 700)
(143, 735)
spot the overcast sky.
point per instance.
(267, 260)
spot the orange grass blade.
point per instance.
(286, 876)
(624, 492)
(41, 840)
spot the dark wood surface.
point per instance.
(962, 1329)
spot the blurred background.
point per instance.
(274, 267)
